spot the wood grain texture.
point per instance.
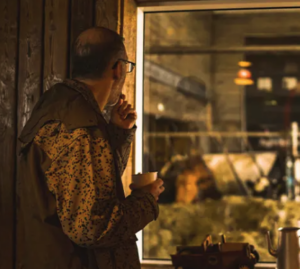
(108, 14)
(30, 58)
(56, 42)
(151, 2)
(29, 78)
(8, 61)
(82, 18)
(129, 33)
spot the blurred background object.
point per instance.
(220, 124)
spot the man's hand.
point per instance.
(123, 115)
(156, 188)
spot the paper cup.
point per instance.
(141, 180)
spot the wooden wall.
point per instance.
(8, 125)
(35, 41)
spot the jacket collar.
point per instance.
(84, 91)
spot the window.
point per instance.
(226, 151)
(264, 84)
(289, 83)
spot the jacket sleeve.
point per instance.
(82, 178)
(121, 140)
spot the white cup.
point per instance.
(141, 180)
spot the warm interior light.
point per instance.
(243, 81)
(295, 131)
(271, 103)
(297, 170)
(264, 84)
(138, 167)
(160, 107)
(244, 64)
(244, 73)
(243, 77)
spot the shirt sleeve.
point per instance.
(82, 178)
(121, 140)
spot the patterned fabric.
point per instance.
(82, 177)
(120, 142)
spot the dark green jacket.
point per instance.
(41, 241)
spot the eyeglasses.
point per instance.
(129, 65)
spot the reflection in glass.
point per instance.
(227, 151)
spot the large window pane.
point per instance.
(221, 115)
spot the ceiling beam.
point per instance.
(205, 50)
(215, 4)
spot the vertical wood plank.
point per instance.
(8, 64)
(129, 33)
(108, 14)
(56, 42)
(82, 18)
(30, 58)
(30, 78)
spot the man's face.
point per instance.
(118, 83)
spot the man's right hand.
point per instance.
(156, 188)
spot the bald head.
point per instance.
(93, 52)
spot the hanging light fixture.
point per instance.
(244, 75)
(244, 64)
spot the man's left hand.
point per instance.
(123, 115)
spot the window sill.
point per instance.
(168, 265)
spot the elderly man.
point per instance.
(73, 210)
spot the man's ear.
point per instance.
(117, 72)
